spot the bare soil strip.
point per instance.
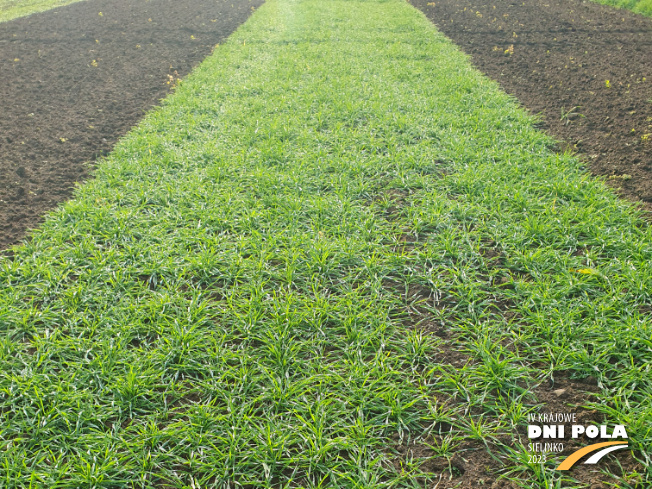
(585, 67)
(77, 78)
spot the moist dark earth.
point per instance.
(77, 78)
(556, 56)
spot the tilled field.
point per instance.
(79, 77)
(585, 67)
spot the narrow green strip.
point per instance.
(245, 295)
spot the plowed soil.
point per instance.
(586, 68)
(77, 78)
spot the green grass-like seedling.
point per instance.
(336, 239)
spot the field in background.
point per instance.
(643, 7)
(11, 9)
(338, 256)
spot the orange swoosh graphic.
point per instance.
(574, 457)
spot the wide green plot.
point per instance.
(245, 294)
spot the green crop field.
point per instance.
(12, 9)
(643, 7)
(335, 240)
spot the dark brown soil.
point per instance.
(77, 78)
(562, 54)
